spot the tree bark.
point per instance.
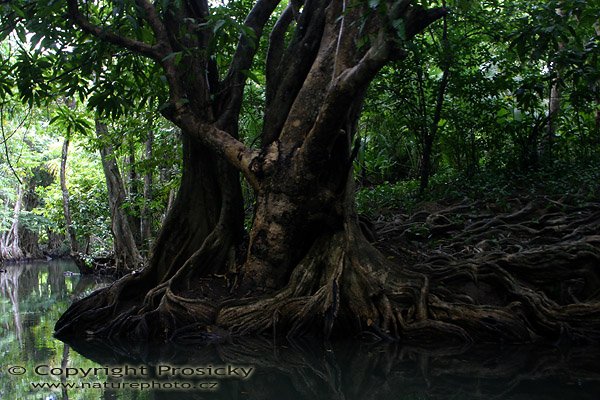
(552, 119)
(146, 212)
(73, 243)
(127, 256)
(209, 197)
(29, 238)
(304, 229)
(432, 132)
(133, 192)
(10, 247)
(553, 104)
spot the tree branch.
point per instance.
(247, 47)
(355, 79)
(418, 18)
(157, 26)
(222, 143)
(276, 48)
(340, 96)
(136, 46)
(293, 68)
(158, 52)
(5, 140)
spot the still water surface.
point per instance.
(33, 295)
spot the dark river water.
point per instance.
(37, 366)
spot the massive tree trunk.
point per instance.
(127, 256)
(307, 268)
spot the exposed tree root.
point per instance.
(518, 276)
(139, 307)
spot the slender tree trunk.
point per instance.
(133, 186)
(170, 202)
(16, 227)
(553, 104)
(10, 246)
(146, 212)
(472, 155)
(432, 132)
(552, 120)
(425, 173)
(30, 239)
(73, 244)
(597, 119)
(127, 256)
(423, 127)
(597, 91)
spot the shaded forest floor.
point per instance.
(492, 210)
(541, 228)
(480, 230)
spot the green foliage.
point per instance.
(578, 180)
(88, 197)
(70, 121)
(504, 57)
(386, 198)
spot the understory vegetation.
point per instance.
(576, 179)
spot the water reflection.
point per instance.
(34, 295)
(356, 371)
(9, 287)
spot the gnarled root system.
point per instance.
(450, 276)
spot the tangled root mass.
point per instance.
(460, 274)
